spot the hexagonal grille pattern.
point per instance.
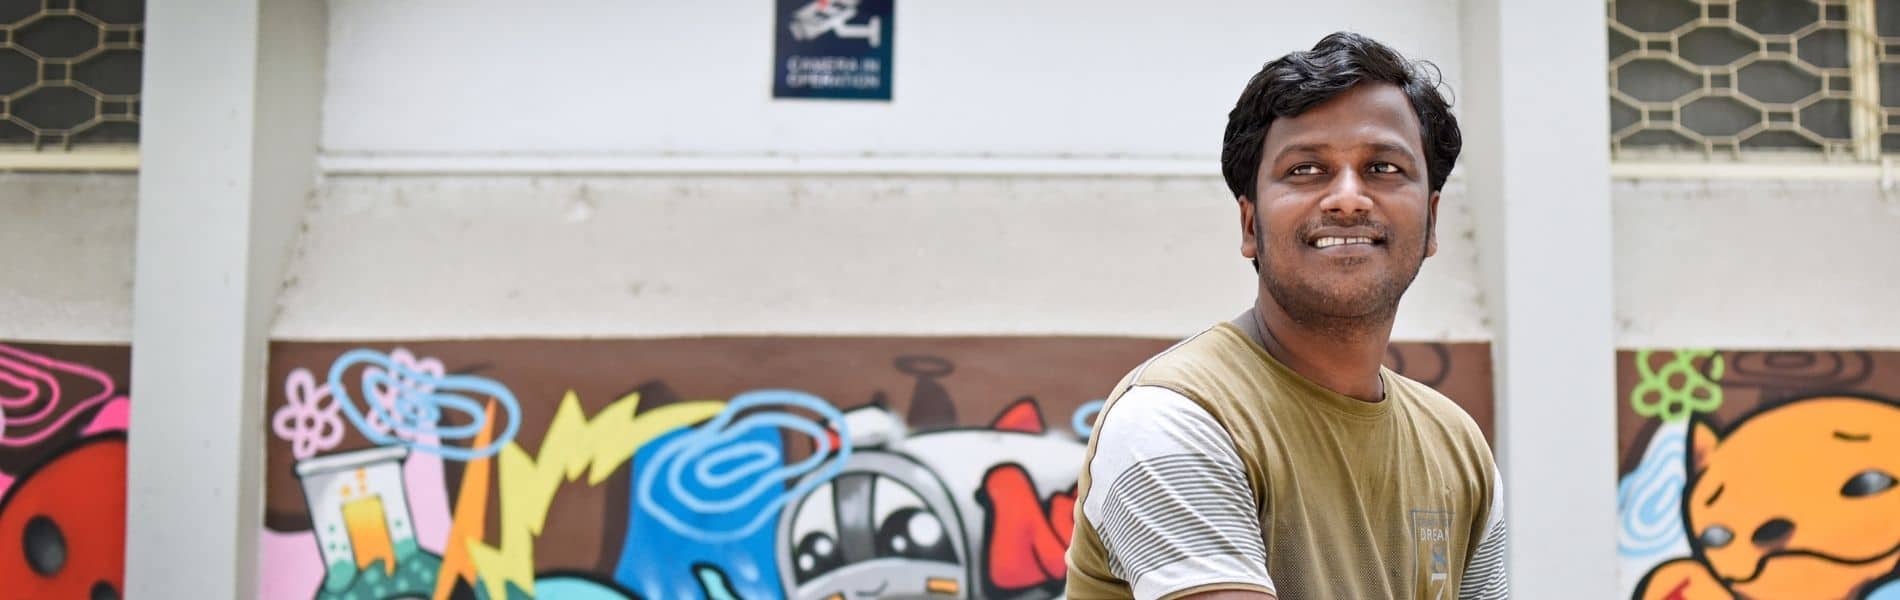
(1887, 26)
(69, 71)
(1737, 76)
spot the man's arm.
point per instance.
(1485, 577)
(1171, 502)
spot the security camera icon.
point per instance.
(833, 16)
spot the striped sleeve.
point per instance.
(1170, 499)
(1485, 577)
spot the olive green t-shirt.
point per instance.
(1213, 466)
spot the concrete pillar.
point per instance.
(231, 98)
(1537, 162)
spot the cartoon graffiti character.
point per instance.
(62, 526)
(934, 514)
(1794, 502)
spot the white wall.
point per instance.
(395, 257)
(66, 257)
(1757, 264)
(1124, 86)
(1086, 78)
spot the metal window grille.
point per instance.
(70, 72)
(1887, 27)
(1738, 78)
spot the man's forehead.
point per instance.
(1368, 115)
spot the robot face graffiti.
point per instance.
(871, 534)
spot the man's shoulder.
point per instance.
(1206, 353)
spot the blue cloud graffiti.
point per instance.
(414, 417)
(711, 495)
(1648, 500)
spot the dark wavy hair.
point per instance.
(1299, 81)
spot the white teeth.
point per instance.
(1328, 242)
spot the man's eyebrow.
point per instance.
(1391, 147)
(1308, 147)
(1322, 147)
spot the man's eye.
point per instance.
(1304, 170)
(1387, 168)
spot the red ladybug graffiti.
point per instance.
(62, 526)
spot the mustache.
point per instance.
(1305, 230)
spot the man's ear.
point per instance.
(1431, 227)
(1248, 246)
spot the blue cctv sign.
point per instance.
(837, 49)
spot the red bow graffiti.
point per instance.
(1027, 535)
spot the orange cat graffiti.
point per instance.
(1795, 502)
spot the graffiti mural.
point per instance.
(1759, 474)
(63, 415)
(716, 468)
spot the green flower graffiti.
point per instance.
(1678, 389)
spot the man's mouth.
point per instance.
(1330, 241)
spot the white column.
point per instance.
(231, 96)
(1535, 113)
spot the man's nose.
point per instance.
(1347, 195)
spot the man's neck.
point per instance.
(1343, 359)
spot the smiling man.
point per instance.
(1272, 456)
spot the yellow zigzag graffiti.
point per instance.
(572, 445)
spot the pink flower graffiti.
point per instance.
(312, 421)
(33, 404)
(310, 418)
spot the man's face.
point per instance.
(1342, 214)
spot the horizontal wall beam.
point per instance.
(568, 164)
(1752, 171)
(120, 158)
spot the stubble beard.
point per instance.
(1341, 313)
